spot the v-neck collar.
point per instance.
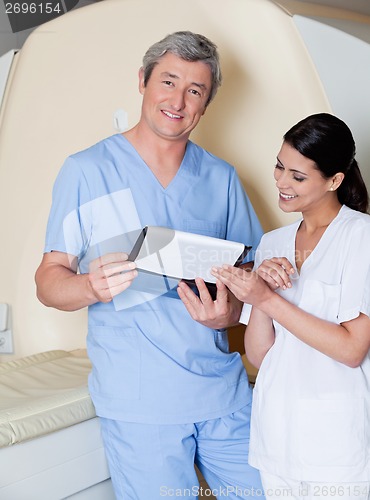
(185, 166)
(324, 237)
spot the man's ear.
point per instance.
(141, 81)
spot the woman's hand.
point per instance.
(247, 286)
(276, 272)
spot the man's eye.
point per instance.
(195, 92)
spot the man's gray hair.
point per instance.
(190, 47)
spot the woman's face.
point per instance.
(301, 186)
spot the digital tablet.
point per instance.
(182, 256)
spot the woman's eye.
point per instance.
(279, 167)
(299, 179)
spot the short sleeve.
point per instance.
(245, 314)
(243, 222)
(355, 285)
(65, 231)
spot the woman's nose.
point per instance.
(281, 179)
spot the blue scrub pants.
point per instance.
(155, 462)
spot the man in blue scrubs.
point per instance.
(166, 389)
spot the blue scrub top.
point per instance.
(151, 361)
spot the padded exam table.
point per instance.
(50, 444)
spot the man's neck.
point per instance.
(162, 156)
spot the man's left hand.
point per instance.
(220, 313)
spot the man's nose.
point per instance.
(178, 100)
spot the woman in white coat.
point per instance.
(308, 328)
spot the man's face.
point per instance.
(175, 96)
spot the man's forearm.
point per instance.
(63, 289)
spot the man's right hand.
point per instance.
(60, 286)
(110, 275)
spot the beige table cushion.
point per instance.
(43, 393)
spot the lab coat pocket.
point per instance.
(321, 299)
(330, 433)
(115, 356)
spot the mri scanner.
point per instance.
(74, 82)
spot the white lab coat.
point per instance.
(311, 414)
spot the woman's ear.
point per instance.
(336, 181)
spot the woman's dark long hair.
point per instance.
(328, 141)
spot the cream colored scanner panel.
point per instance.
(75, 72)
